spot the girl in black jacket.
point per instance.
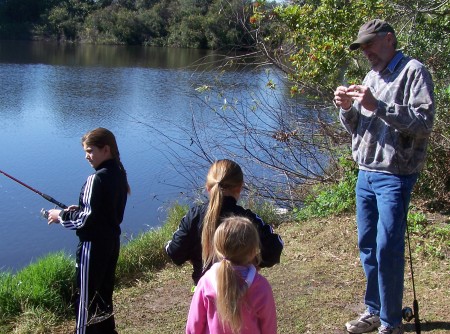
(192, 241)
(97, 219)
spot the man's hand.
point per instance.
(363, 95)
(341, 98)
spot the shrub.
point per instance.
(325, 200)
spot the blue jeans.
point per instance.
(382, 202)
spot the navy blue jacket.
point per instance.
(186, 241)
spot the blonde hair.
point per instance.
(223, 176)
(236, 242)
(100, 137)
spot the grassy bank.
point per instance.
(39, 296)
(318, 285)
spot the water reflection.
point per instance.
(52, 94)
(86, 55)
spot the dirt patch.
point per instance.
(318, 286)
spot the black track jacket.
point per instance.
(186, 241)
(101, 205)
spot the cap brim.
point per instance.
(361, 40)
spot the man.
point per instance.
(390, 116)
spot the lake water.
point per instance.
(51, 95)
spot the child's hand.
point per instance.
(53, 216)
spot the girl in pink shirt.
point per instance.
(232, 297)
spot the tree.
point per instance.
(307, 42)
(315, 57)
(62, 20)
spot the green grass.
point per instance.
(47, 283)
(37, 298)
(146, 252)
(41, 292)
(38, 295)
(8, 304)
(433, 240)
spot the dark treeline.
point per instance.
(206, 24)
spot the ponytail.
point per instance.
(223, 175)
(125, 172)
(210, 224)
(230, 290)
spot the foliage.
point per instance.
(332, 199)
(314, 50)
(309, 41)
(431, 239)
(416, 221)
(210, 25)
(181, 23)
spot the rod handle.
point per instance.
(54, 201)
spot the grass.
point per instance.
(145, 253)
(36, 296)
(47, 283)
(36, 320)
(39, 296)
(318, 285)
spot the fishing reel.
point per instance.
(407, 314)
(44, 213)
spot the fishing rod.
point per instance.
(47, 197)
(408, 313)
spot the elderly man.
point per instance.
(389, 116)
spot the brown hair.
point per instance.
(223, 176)
(236, 242)
(100, 137)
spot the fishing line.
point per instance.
(407, 313)
(415, 312)
(17, 202)
(47, 197)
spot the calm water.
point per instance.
(51, 95)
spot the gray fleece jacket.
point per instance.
(394, 138)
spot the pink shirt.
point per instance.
(258, 309)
